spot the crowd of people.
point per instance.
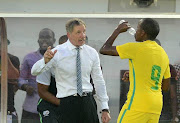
(60, 81)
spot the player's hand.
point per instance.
(123, 27)
(126, 76)
(48, 55)
(105, 117)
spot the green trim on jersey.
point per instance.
(132, 97)
(134, 88)
(123, 115)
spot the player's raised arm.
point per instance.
(107, 48)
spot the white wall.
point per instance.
(177, 6)
(53, 6)
(23, 34)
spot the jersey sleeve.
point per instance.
(167, 73)
(128, 50)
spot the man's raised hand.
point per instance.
(48, 55)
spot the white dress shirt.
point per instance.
(45, 77)
(64, 65)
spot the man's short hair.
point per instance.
(63, 39)
(151, 27)
(48, 30)
(73, 22)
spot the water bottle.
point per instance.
(131, 30)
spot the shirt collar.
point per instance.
(71, 46)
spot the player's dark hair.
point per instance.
(151, 27)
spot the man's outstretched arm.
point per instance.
(107, 48)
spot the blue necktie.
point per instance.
(78, 71)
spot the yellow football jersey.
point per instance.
(148, 65)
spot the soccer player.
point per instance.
(149, 72)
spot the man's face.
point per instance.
(139, 32)
(46, 38)
(78, 36)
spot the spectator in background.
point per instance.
(177, 68)
(172, 95)
(63, 39)
(13, 74)
(27, 82)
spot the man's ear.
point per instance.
(68, 34)
(143, 33)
